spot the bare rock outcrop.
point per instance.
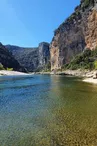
(78, 32)
(33, 59)
(8, 61)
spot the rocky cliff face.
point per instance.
(8, 61)
(78, 32)
(33, 59)
(43, 54)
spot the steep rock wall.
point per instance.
(33, 59)
(78, 32)
(43, 54)
(8, 61)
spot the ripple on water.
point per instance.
(45, 110)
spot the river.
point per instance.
(44, 110)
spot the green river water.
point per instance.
(44, 110)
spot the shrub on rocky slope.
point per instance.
(85, 60)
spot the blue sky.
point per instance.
(29, 22)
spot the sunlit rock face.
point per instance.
(33, 59)
(44, 54)
(8, 61)
(91, 30)
(78, 32)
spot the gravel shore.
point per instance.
(11, 73)
(89, 76)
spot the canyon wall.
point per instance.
(74, 35)
(8, 61)
(44, 54)
(33, 59)
(77, 33)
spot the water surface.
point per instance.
(43, 110)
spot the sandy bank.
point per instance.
(89, 76)
(42, 73)
(90, 80)
(11, 73)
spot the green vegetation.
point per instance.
(95, 64)
(47, 67)
(1, 67)
(85, 60)
(73, 16)
(86, 3)
(10, 69)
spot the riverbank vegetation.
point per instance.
(2, 68)
(86, 60)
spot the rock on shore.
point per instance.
(90, 80)
(89, 76)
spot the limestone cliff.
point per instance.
(33, 59)
(44, 54)
(78, 32)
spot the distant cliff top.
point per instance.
(31, 58)
(77, 33)
(85, 5)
